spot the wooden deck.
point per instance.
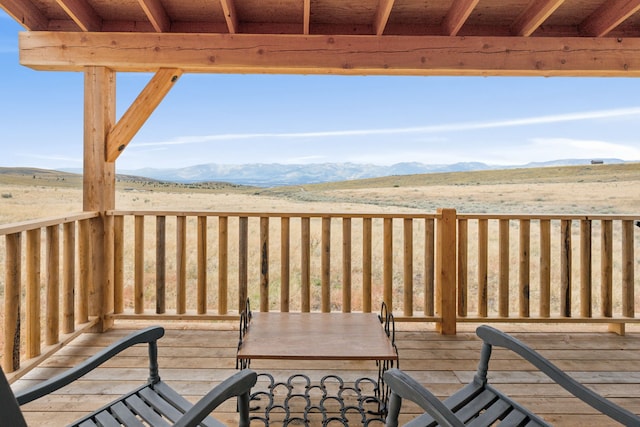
(194, 357)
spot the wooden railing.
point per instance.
(442, 268)
(209, 263)
(34, 327)
(548, 268)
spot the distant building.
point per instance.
(597, 162)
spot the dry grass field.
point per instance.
(594, 189)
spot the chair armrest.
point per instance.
(404, 387)
(238, 384)
(495, 337)
(149, 335)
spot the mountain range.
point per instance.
(274, 174)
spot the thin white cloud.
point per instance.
(592, 147)
(451, 127)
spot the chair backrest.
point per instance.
(9, 408)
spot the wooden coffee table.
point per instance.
(316, 336)
(321, 336)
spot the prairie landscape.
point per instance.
(28, 194)
(594, 189)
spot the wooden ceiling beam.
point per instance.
(145, 104)
(230, 15)
(533, 16)
(157, 15)
(306, 17)
(608, 16)
(335, 54)
(26, 14)
(457, 15)
(82, 14)
(382, 15)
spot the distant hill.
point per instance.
(276, 175)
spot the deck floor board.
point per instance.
(193, 358)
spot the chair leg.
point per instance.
(395, 402)
(243, 409)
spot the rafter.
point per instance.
(157, 15)
(82, 14)
(608, 16)
(457, 15)
(382, 15)
(123, 132)
(335, 54)
(306, 17)
(26, 14)
(533, 16)
(229, 9)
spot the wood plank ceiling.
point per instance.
(421, 37)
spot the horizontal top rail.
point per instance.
(45, 222)
(579, 217)
(276, 214)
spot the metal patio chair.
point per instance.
(481, 404)
(152, 404)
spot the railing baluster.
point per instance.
(483, 257)
(84, 255)
(161, 264)
(565, 268)
(387, 262)
(33, 293)
(545, 268)
(503, 262)
(524, 268)
(118, 264)
(429, 266)
(606, 270)
(138, 286)
(408, 267)
(463, 236)
(628, 295)
(367, 237)
(325, 262)
(12, 283)
(285, 265)
(264, 263)
(243, 262)
(305, 264)
(181, 264)
(223, 263)
(52, 335)
(201, 291)
(346, 265)
(68, 277)
(585, 269)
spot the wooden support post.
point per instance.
(99, 184)
(446, 269)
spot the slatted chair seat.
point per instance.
(152, 404)
(480, 404)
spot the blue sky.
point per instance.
(234, 119)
